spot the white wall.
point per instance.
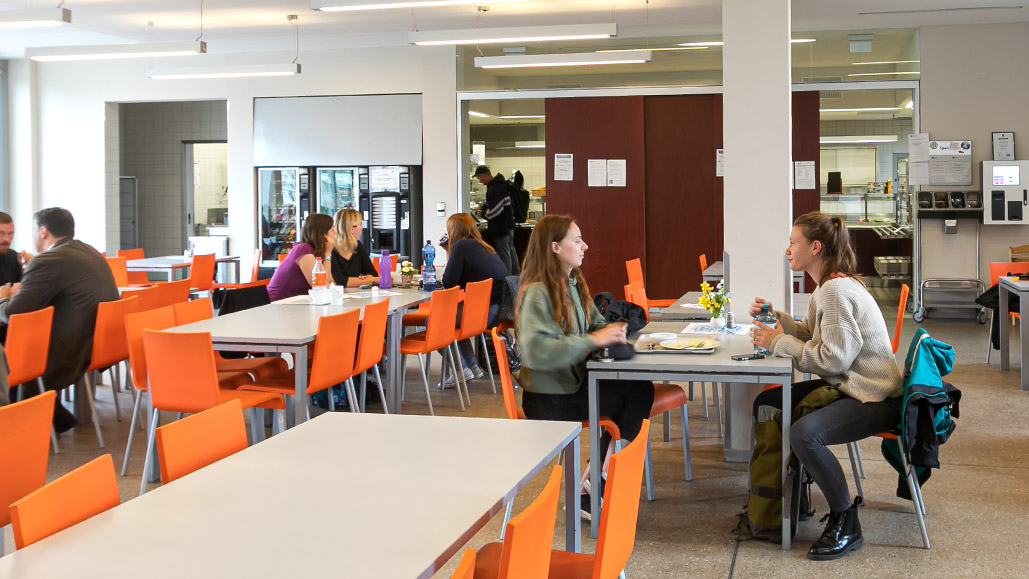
(967, 94)
(68, 143)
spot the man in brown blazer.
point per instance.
(73, 277)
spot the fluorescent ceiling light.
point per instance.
(227, 71)
(720, 43)
(663, 49)
(910, 104)
(889, 62)
(342, 5)
(860, 110)
(881, 73)
(931, 10)
(858, 139)
(34, 18)
(570, 59)
(512, 35)
(116, 51)
(802, 40)
(513, 117)
(478, 114)
(530, 145)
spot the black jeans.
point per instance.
(626, 402)
(845, 420)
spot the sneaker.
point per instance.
(449, 382)
(476, 372)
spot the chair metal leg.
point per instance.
(257, 424)
(382, 393)
(489, 365)
(687, 456)
(503, 526)
(916, 495)
(648, 472)
(352, 400)
(459, 378)
(91, 391)
(278, 422)
(151, 432)
(53, 431)
(853, 467)
(860, 463)
(132, 431)
(113, 371)
(703, 395)
(425, 379)
(330, 398)
(989, 336)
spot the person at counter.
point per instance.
(499, 216)
(519, 198)
(844, 341)
(293, 276)
(351, 266)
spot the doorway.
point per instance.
(205, 211)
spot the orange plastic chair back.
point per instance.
(156, 319)
(146, 298)
(373, 335)
(193, 311)
(635, 293)
(466, 568)
(999, 268)
(121, 275)
(439, 327)
(25, 430)
(392, 263)
(335, 348)
(476, 309)
(201, 272)
(28, 341)
(506, 386)
(201, 439)
(82, 493)
(634, 270)
(172, 292)
(530, 534)
(110, 345)
(130, 254)
(181, 369)
(617, 534)
(703, 263)
(904, 291)
(255, 270)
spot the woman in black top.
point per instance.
(470, 259)
(351, 266)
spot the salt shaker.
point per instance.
(730, 320)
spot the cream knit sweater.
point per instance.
(843, 339)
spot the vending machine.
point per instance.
(390, 200)
(1005, 192)
(283, 198)
(336, 189)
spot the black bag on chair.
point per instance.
(621, 311)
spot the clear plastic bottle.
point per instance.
(318, 273)
(767, 317)
(385, 271)
(429, 271)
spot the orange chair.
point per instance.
(636, 294)
(182, 377)
(474, 318)
(156, 319)
(135, 277)
(109, 348)
(370, 346)
(82, 493)
(392, 263)
(24, 428)
(121, 275)
(199, 440)
(253, 276)
(466, 567)
(634, 270)
(199, 310)
(201, 273)
(703, 263)
(438, 334)
(997, 269)
(904, 291)
(146, 297)
(27, 350)
(528, 538)
(160, 295)
(617, 535)
(335, 347)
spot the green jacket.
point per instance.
(553, 362)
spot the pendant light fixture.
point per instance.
(35, 17)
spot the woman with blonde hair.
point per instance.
(351, 266)
(559, 327)
(470, 259)
(293, 276)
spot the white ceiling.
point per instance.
(260, 25)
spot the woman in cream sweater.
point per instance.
(844, 341)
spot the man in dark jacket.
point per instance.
(73, 277)
(499, 217)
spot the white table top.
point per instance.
(676, 311)
(288, 324)
(172, 261)
(343, 495)
(1011, 285)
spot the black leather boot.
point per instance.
(842, 534)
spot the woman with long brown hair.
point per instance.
(559, 327)
(351, 265)
(470, 259)
(293, 276)
(844, 341)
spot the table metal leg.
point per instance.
(787, 415)
(394, 365)
(1023, 350)
(595, 462)
(300, 384)
(1002, 321)
(573, 524)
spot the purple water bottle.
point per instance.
(385, 270)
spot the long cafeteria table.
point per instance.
(343, 495)
(169, 264)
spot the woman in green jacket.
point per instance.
(558, 327)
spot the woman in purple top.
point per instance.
(293, 276)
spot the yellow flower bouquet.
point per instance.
(714, 299)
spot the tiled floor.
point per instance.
(977, 503)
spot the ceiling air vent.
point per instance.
(822, 79)
(830, 94)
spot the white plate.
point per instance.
(696, 344)
(661, 336)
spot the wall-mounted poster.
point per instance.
(563, 167)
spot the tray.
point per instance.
(645, 341)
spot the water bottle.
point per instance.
(318, 273)
(429, 272)
(768, 318)
(385, 270)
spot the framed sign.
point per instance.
(1003, 146)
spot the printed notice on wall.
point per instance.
(563, 167)
(804, 175)
(596, 172)
(719, 162)
(950, 162)
(918, 159)
(616, 172)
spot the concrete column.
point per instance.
(757, 136)
(24, 149)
